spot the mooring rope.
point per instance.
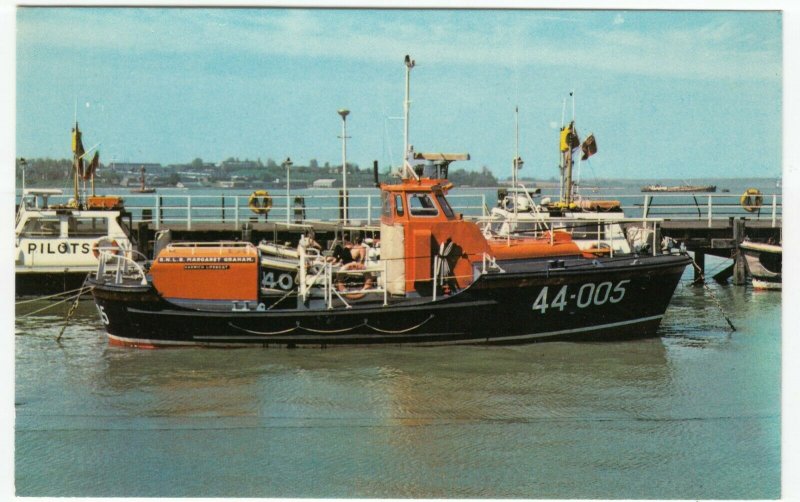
(46, 307)
(21, 302)
(711, 293)
(72, 309)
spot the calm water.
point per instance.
(693, 414)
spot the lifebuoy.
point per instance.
(341, 281)
(603, 249)
(260, 202)
(751, 200)
(105, 245)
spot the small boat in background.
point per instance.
(142, 188)
(764, 263)
(680, 188)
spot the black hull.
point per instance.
(614, 300)
(39, 284)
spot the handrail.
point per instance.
(232, 208)
(122, 269)
(210, 244)
(325, 273)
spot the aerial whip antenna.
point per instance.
(406, 107)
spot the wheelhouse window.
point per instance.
(42, 227)
(398, 204)
(386, 204)
(88, 227)
(446, 209)
(421, 204)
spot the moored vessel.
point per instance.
(142, 188)
(436, 280)
(594, 224)
(57, 245)
(680, 188)
(764, 263)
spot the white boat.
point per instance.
(597, 226)
(56, 246)
(763, 263)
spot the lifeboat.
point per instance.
(438, 280)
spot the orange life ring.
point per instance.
(106, 245)
(600, 250)
(341, 284)
(751, 200)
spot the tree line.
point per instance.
(47, 171)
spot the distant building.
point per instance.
(135, 167)
(236, 165)
(205, 167)
(324, 183)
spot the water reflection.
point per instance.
(634, 419)
(387, 386)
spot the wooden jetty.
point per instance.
(721, 238)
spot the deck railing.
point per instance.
(115, 266)
(169, 209)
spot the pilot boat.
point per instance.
(438, 280)
(57, 245)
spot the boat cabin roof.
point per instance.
(449, 157)
(416, 200)
(42, 191)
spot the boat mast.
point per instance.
(567, 198)
(561, 154)
(93, 170)
(406, 107)
(22, 164)
(517, 160)
(76, 157)
(77, 160)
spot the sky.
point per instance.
(667, 94)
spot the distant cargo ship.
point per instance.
(680, 188)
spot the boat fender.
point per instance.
(369, 281)
(106, 245)
(260, 202)
(751, 200)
